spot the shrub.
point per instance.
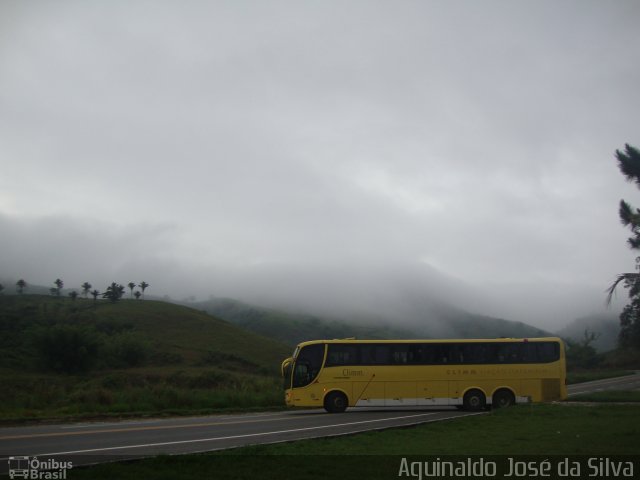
(126, 350)
(67, 348)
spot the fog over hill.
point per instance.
(605, 327)
(403, 294)
(372, 159)
(406, 295)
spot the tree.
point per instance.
(1, 288)
(95, 294)
(86, 287)
(59, 284)
(114, 292)
(629, 164)
(582, 354)
(73, 294)
(21, 285)
(131, 286)
(137, 294)
(143, 285)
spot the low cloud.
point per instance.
(190, 145)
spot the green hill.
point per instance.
(60, 357)
(172, 333)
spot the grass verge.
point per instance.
(152, 391)
(523, 430)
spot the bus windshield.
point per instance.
(308, 364)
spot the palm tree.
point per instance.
(86, 286)
(95, 294)
(59, 284)
(143, 285)
(131, 286)
(138, 294)
(21, 285)
(114, 292)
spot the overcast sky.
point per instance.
(169, 141)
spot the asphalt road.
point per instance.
(630, 382)
(99, 442)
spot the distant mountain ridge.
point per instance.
(292, 328)
(387, 299)
(605, 326)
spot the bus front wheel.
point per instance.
(336, 402)
(474, 400)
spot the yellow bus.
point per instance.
(469, 374)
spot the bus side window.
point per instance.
(416, 354)
(342, 355)
(547, 352)
(510, 352)
(375, 354)
(400, 355)
(442, 354)
(457, 353)
(529, 353)
(473, 352)
(429, 354)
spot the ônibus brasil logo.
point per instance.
(32, 468)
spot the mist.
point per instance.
(363, 160)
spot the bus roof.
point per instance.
(433, 340)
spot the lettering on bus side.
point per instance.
(352, 373)
(513, 371)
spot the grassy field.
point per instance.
(146, 357)
(523, 430)
(137, 392)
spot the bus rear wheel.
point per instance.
(503, 398)
(474, 400)
(336, 402)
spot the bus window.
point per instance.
(416, 354)
(342, 354)
(308, 364)
(546, 352)
(371, 354)
(427, 354)
(473, 352)
(399, 354)
(508, 352)
(443, 354)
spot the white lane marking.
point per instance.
(232, 437)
